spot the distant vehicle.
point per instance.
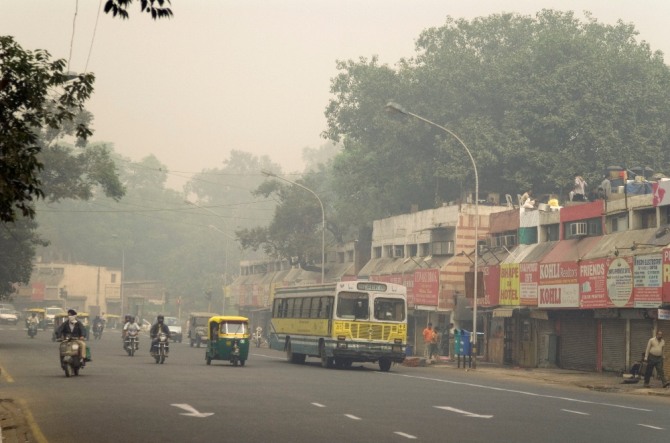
(341, 323)
(7, 316)
(7, 306)
(175, 329)
(197, 327)
(51, 312)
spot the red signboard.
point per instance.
(426, 286)
(529, 280)
(491, 286)
(593, 284)
(666, 275)
(559, 285)
(39, 288)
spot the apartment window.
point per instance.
(377, 252)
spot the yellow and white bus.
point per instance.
(341, 323)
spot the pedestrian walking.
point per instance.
(654, 358)
(427, 339)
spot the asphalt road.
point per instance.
(122, 398)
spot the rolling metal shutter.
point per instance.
(578, 341)
(640, 333)
(614, 345)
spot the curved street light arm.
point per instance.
(395, 107)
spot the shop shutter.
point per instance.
(640, 333)
(578, 341)
(614, 345)
(664, 326)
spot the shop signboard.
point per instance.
(666, 275)
(593, 284)
(529, 280)
(559, 285)
(647, 280)
(620, 282)
(509, 284)
(426, 286)
(491, 286)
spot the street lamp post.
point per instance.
(391, 106)
(228, 236)
(123, 270)
(323, 219)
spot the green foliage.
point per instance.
(17, 249)
(34, 93)
(535, 99)
(155, 8)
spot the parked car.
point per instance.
(175, 328)
(7, 316)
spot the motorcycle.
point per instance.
(32, 330)
(161, 348)
(131, 342)
(97, 331)
(70, 359)
(235, 354)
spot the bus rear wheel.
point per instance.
(326, 362)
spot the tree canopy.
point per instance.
(536, 99)
(156, 8)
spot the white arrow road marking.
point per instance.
(353, 417)
(466, 413)
(402, 434)
(192, 412)
(650, 426)
(575, 412)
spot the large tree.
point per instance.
(35, 93)
(535, 99)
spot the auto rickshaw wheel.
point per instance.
(208, 360)
(242, 362)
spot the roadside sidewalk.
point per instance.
(604, 382)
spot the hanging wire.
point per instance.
(74, 22)
(95, 28)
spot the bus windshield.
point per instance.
(353, 305)
(389, 309)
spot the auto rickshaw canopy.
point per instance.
(228, 325)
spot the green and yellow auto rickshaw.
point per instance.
(228, 339)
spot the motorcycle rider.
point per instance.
(98, 323)
(33, 321)
(130, 325)
(156, 329)
(76, 329)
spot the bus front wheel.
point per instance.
(384, 364)
(293, 357)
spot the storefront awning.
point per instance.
(508, 311)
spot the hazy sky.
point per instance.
(251, 75)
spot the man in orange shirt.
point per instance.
(428, 339)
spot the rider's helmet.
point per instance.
(160, 318)
(33, 314)
(128, 318)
